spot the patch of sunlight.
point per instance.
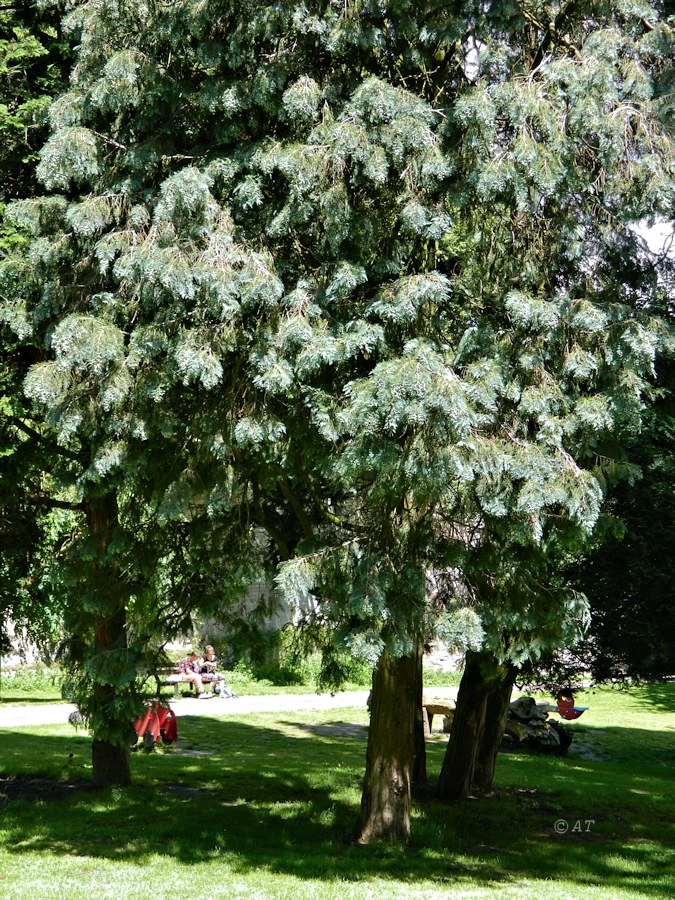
(624, 864)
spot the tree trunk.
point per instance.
(496, 710)
(419, 775)
(110, 756)
(459, 764)
(111, 764)
(385, 801)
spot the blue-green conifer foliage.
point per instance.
(379, 259)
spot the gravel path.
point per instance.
(57, 713)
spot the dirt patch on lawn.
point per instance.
(22, 787)
(334, 729)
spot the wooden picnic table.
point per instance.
(437, 706)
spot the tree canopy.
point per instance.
(367, 267)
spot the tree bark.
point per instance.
(496, 710)
(459, 764)
(110, 757)
(385, 800)
(419, 775)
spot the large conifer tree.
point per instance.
(363, 262)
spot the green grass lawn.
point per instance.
(263, 806)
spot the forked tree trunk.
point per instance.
(385, 801)
(459, 764)
(110, 758)
(496, 710)
(419, 775)
(477, 726)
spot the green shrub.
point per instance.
(32, 679)
(439, 678)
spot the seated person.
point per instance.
(208, 666)
(209, 662)
(189, 669)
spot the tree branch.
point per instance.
(52, 503)
(32, 432)
(331, 517)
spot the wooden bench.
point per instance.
(168, 677)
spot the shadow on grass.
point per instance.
(284, 798)
(661, 696)
(610, 769)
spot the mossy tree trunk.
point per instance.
(386, 796)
